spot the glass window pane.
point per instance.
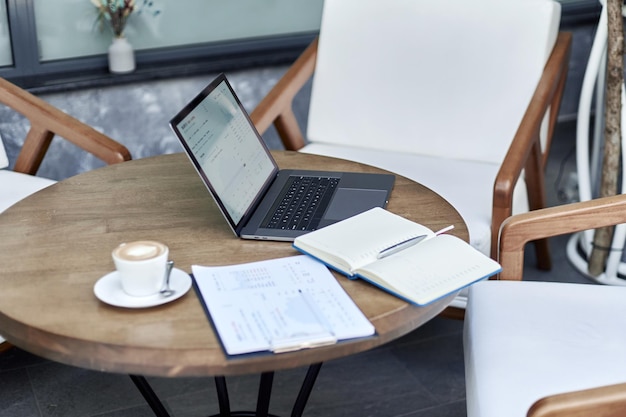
(67, 28)
(6, 54)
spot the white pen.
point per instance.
(400, 246)
(408, 243)
(444, 230)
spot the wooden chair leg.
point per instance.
(453, 313)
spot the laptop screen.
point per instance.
(225, 149)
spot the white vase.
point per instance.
(121, 56)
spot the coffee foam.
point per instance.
(140, 250)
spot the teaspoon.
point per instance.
(166, 291)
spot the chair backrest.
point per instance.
(446, 78)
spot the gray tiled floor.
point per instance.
(418, 375)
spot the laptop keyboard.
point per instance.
(303, 203)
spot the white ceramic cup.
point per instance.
(141, 266)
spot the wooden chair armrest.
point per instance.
(277, 106)
(518, 230)
(525, 150)
(607, 401)
(46, 121)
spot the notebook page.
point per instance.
(431, 269)
(354, 242)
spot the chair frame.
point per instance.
(46, 121)
(520, 229)
(608, 401)
(525, 152)
(516, 232)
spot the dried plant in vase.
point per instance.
(115, 12)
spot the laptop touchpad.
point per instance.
(348, 202)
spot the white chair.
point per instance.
(588, 159)
(556, 349)
(46, 121)
(450, 93)
(14, 186)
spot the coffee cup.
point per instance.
(141, 266)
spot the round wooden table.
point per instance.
(57, 243)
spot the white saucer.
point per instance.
(108, 289)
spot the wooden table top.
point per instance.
(57, 243)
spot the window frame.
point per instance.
(28, 72)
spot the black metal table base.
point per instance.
(150, 396)
(263, 399)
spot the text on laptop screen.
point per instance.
(227, 149)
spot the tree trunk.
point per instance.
(612, 133)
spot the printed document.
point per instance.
(278, 305)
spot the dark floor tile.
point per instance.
(437, 363)
(437, 327)
(243, 391)
(453, 409)
(16, 396)
(194, 404)
(68, 391)
(166, 388)
(14, 358)
(370, 383)
(369, 405)
(285, 390)
(195, 397)
(143, 411)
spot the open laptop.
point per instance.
(238, 170)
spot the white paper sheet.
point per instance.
(278, 305)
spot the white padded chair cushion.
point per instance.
(15, 186)
(411, 75)
(470, 193)
(527, 340)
